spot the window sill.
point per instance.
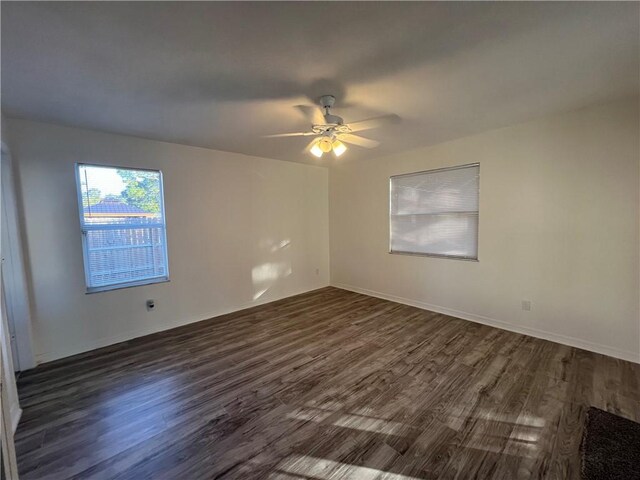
(451, 257)
(119, 286)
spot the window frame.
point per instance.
(436, 255)
(83, 231)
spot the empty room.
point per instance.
(320, 240)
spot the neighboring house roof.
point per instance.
(113, 208)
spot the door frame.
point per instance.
(14, 273)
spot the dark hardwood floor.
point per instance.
(325, 385)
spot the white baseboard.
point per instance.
(532, 332)
(131, 334)
(16, 412)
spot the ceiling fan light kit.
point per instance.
(338, 148)
(325, 144)
(315, 150)
(332, 133)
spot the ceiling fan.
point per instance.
(330, 131)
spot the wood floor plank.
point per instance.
(325, 385)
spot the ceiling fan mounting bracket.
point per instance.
(327, 101)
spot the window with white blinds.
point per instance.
(123, 226)
(436, 212)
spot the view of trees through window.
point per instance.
(139, 188)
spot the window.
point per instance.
(123, 226)
(436, 212)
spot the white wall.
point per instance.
(241, 231)
(559, 226)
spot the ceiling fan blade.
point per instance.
(297, 134)
(358, 140)
(313, 114)
(374, 122)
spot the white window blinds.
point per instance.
(436, 212)
(123, 226)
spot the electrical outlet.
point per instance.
(151, 304)
(526, 305)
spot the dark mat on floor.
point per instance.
(610, 447)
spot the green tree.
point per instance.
(142, 189)
(91, 197)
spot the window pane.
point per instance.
(121, 212)
(436, 192)
(117, 195)
(125, 255)
(436, 212)
(446, 234)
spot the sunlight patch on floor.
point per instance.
(323, 469)
(457, 417)
(346, 420)
(369, 424)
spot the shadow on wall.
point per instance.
(266, 275)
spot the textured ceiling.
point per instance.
(223, 74)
